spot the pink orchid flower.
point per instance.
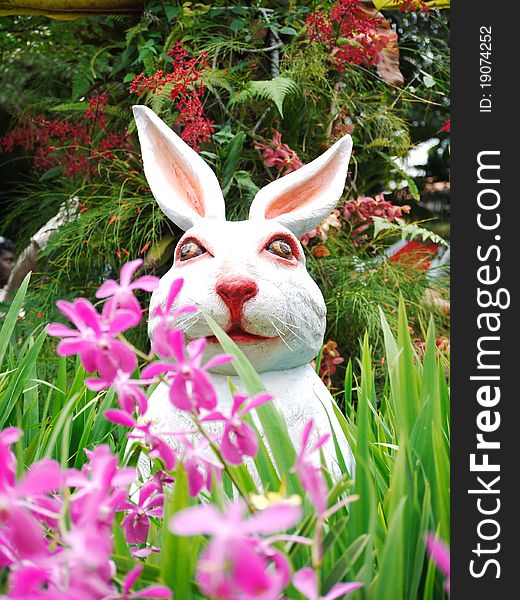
(85, 566)
(166, 318)
(439, 552)
(158, 447)
(233, 565)
(122, 294)
(306, 582)
(94, 338)
(136, 523)
(200, 467)
(238, 438)
(101, 487)
(35, 582)
(128, 390)
(152, 591)
(19, 500)
(309, 470)
(190, 385)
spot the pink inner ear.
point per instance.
(178, 174)
(304, 192)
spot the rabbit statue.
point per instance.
(249, 276)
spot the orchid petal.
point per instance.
(128, 270)
(256, 402)
(106, 289)
(306, 583)
(220, 359)
(153, 591)
(43, 477)
(88, 315)
(131, 578)
(120, 417)
(229, 451)
(278, 517)
(59, 330)
(341, 589)
(174, 291)
(148, 283)
(157, 368)
(196, 520)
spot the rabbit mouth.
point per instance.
(237, 334)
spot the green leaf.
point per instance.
(345, 563)
(232, 153)
(411, 230)
(273, 424)
(177, 553)
(288, 30)
(275, 90)
(12, 317)
(412, 186)
(51, 173)
(391, 571)
(18, 380)
(237, 24)
(171, 11)
(428, 80)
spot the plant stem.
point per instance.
(216, 450)
(142, 355)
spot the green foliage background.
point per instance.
(53, 67)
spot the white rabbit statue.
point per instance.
(250, 276)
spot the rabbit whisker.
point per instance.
(296, 314)
(290, 327)
(187, 323)
(183, 320)
(280, 334)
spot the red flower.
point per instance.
(360, 213)
(186, 90)
(279, 155)
(75, 147)
(446, 126)
(350, 32)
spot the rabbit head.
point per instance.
(250, 276)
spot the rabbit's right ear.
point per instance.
(185, 187)
(303, 198)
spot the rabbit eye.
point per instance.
(190, 250)
(281, 248)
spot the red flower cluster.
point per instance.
(186, 89)
(360, 213)
(279, 155)
(446, 126)
(413, 6)
(95, 110)
(351, 33)
(69, 145)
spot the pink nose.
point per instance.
(235, 291)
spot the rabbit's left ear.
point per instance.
(303, 198)
(185, 187)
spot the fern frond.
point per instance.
(213, 78)
(157, 101)
(275, 90)
(407, 230)
(81, 82)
